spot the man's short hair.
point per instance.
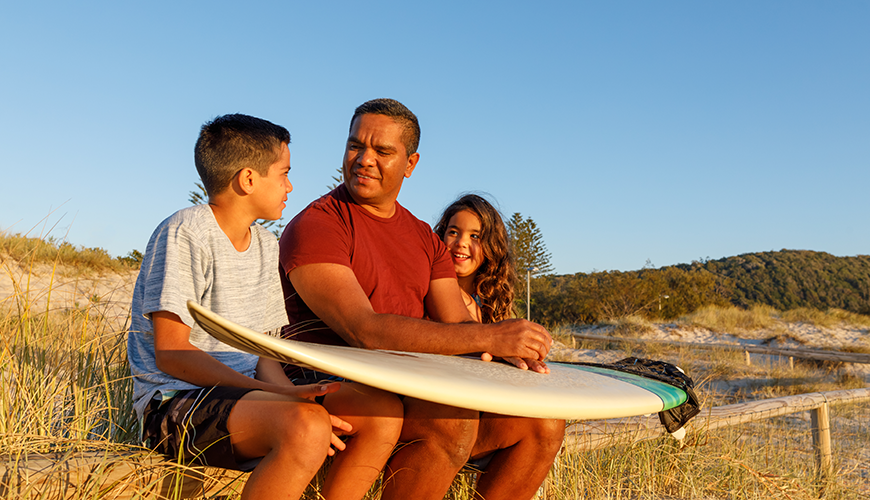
(230, 143)
(397, 111)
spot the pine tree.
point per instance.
(528, 246)
(339, 179)
(198, 196)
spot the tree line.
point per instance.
(785, 280)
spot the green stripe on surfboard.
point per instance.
(671, 396)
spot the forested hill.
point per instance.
(785, 280)
(794, 278)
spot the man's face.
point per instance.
(376, 163)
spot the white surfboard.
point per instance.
(573, 392)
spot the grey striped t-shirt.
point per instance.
(189, 257)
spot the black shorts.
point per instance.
(191, 427)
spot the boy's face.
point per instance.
(272, 189)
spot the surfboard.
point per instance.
(573, 392)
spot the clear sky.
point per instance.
(629, 131)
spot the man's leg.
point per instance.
(440, 439)
(524, 451)
(376, 417)
(292, 436)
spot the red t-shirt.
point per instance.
(394, 259)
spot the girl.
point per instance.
(477, 239)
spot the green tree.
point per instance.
(199, 196)
(528, 246)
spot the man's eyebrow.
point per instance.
(376, 145)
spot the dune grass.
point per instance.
(30, 251)
(735, 320)
(763, 460)
(65, 388)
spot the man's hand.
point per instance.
(522, 364)
(518, 338)
(529, 364)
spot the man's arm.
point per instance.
(444, 303)
(335, 296)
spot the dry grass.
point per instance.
(732, 319)
(767, 459)
(632, 326)
(65, 387)
(827, 319)
(30, 251)
(763, 460)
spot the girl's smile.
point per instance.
(462, 238)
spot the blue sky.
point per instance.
(629, 131)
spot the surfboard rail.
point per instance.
(568, 392)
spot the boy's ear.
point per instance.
(245, 180)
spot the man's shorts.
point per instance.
(191, 427)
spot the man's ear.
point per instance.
(245, 180)
(412, 163)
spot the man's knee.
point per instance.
(450, 431)
(549, 433)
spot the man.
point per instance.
(358, 269)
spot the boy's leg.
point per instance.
(376, 417)
(292, 436)
(524, 451)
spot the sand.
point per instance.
(109, 293)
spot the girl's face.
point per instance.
(462, 238)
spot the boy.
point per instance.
(202, 400)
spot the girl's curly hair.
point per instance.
(494, 282)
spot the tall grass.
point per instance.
(65, 388)
(771, 459)
(65, 379)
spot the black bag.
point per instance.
(672, 419)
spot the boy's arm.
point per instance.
(176, 356)
(271, 371)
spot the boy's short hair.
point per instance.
(230, 143)
(398, 112)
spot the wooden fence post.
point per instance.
(821, 422)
